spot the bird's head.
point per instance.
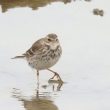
(52, 40)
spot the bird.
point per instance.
(44, 54)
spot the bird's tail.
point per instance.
(22, 56)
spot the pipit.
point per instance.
(43, 54)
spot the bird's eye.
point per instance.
(49, 40)
(56, 39)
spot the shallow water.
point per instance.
(84, 66)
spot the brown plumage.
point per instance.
(43, 54)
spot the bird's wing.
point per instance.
(36, 48)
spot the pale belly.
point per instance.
(41, 63)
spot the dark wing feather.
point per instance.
(36, 48)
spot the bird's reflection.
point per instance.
(34, 4)
(56, 85)
(39, 103)
(42, 100)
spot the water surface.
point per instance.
(85, 62)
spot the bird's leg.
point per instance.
(55, 74)
(37, 95)
(37, 75)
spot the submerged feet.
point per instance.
(52, 80)
(56, 75)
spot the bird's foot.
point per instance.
(58, 78)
